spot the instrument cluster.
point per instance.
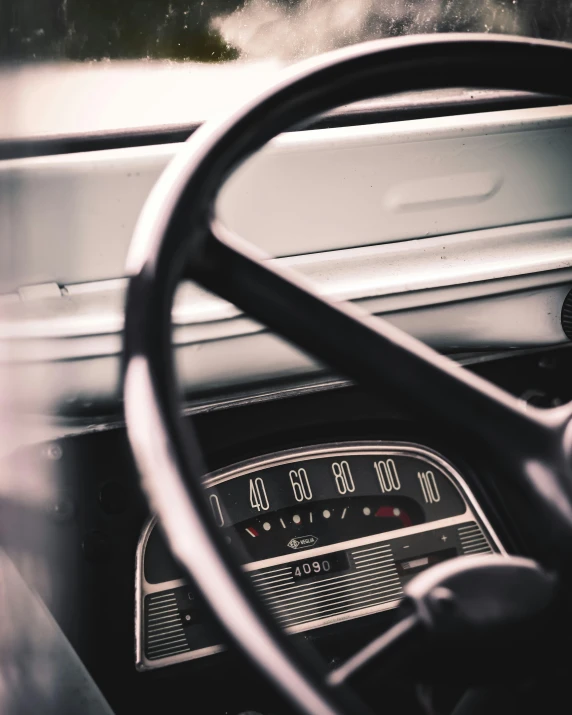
(326, 533)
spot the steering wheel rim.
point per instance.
(177, 236)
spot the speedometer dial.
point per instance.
(326, 533)
(319, 500)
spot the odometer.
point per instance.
(320, 567)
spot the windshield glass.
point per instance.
(227, 30)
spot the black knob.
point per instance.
(566, 316)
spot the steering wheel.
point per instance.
(179, 237)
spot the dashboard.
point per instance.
(326, 533)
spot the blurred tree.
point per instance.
(194, 30)
(114, 29)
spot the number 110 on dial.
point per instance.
(429, 487)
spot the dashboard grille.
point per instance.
(472, 539)
(311, 590)
(372, 581)
(164, 631)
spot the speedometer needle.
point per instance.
(389, 511)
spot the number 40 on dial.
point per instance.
(258, 496)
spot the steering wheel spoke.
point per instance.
(464, 600)
(381, 653)
(370, 350)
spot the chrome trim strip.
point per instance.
(154, 587)
(363, 541)
(47, 428)
(474, 511)
(48, 384)
(139, 596)
(399, 276)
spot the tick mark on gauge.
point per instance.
(251, 531)
(311, 517)
(282, 522)
(296, 518)
(344, 512)
(326, 513)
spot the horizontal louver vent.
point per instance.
(372, 581)
(164, 631)
(473, 541)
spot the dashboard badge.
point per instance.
(302, 542)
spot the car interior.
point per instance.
(285, 364)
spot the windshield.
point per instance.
(227, 30)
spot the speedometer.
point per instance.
(326, 533)
(316, 500)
